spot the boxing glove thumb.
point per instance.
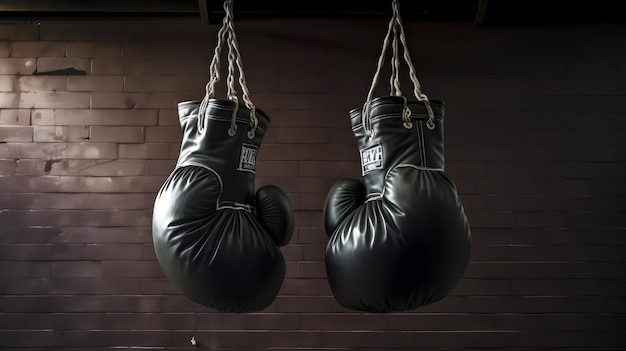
(345, 196)
(274, 210)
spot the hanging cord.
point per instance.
(417, 88)
(396, 29)
(214, 72)
(227, 34)
(245, 95)
(395, 77)
(395, 66)
(231, 92)
(366, 108)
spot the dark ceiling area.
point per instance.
(479, 12)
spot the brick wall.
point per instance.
(535, 126)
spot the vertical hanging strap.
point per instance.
(227, 35)
(396, 30)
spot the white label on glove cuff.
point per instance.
(247, 160)
(371, 159)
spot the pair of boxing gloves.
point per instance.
(399, 237)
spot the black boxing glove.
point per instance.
(399, 239)
(217, 240)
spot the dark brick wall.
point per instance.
(535, 141)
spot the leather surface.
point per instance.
(217, 241)
(399, 239)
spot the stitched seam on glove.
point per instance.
(418, 167)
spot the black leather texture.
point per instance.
(399, 238)
(216, 239)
